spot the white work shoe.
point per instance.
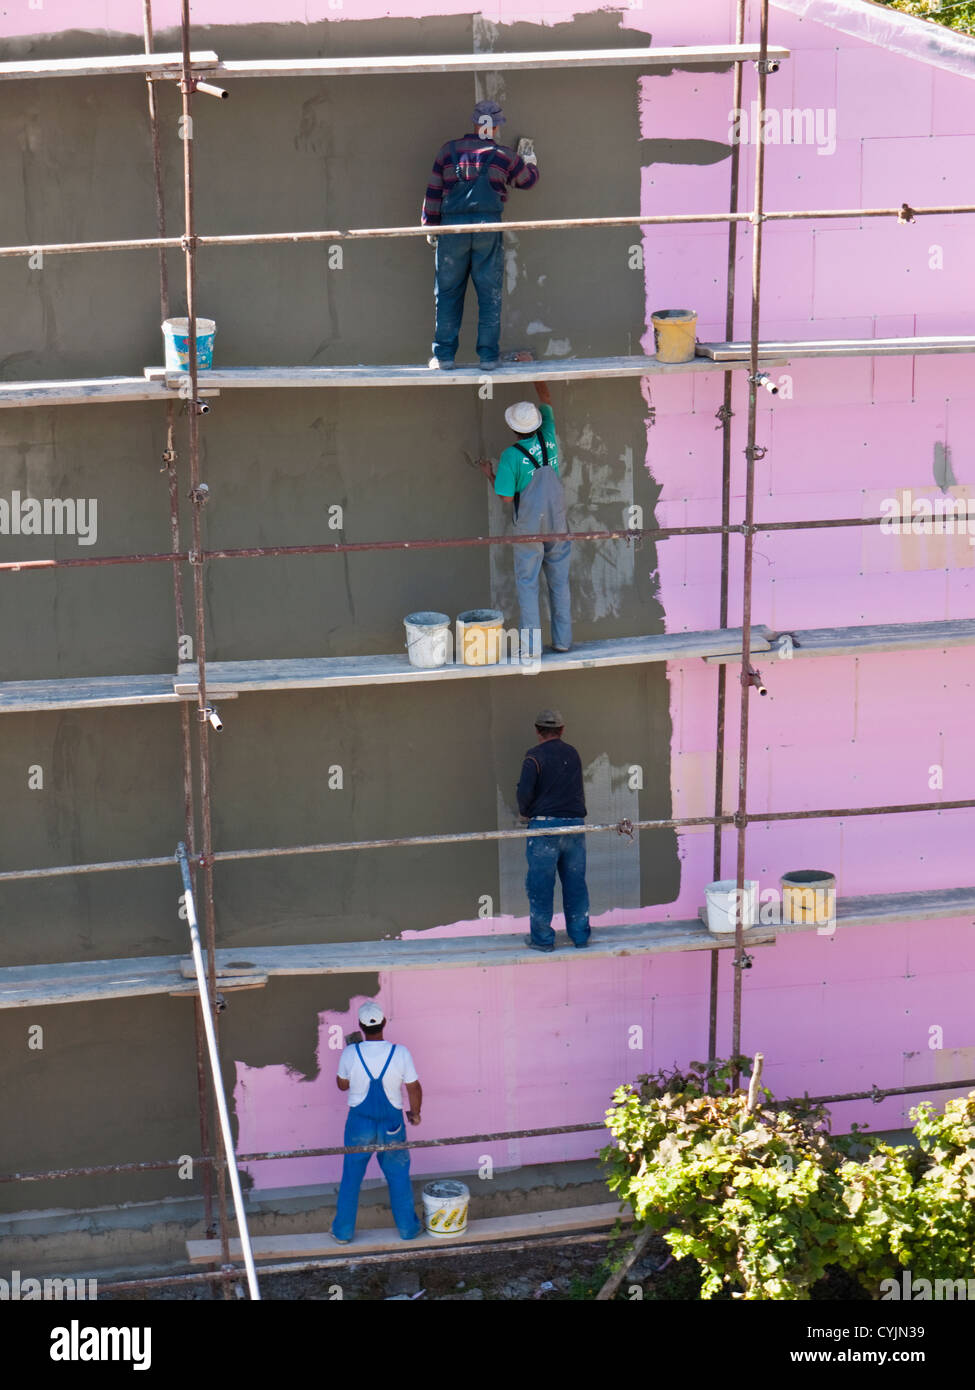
(436, 365)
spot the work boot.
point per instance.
(437, 365)
(490, 364)
(546, 950)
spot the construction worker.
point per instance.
(528, 476)
(550, 794)
(469, 183)
(373, 1072)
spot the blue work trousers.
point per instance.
(477, 256)
(547, 856)
(360, 1129)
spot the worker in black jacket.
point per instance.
(550, 794)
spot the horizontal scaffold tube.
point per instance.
(254, 552)
(624, 827)
(64, 248)
(276, 1155)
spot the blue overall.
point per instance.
(475, 255)
(376, 1120)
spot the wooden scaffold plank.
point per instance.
(696, 56)
(548, 369)
(116, 65)
(866, 639)
(524, 1226)
(841, 347)
(244, 967)
(313, 673)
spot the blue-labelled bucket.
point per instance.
(177, 341)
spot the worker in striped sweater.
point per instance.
(469, 183)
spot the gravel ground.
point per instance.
(555, 1274)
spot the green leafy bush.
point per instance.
(914, 1208)
(767, 1202)
(755, 1198)
(958, 15)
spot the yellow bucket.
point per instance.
(480, 633)
(674, 334)
(809, 895)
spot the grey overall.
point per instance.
(540, 507)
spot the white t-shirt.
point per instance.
(401, 1070)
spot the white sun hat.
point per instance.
(523, 417)
(371, 1015)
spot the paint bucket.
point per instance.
(445, 1207)
(722, 904)
(674, 334)
(427, 638)
(809, 895)
(176, 340)
(479, 636)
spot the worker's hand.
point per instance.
(487, 468)
(432, 240)
(413, 1116)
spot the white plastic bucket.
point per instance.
(445, 1207)
(723, 904)
(176, 340)
(427, 638)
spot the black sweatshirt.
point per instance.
(551, 781)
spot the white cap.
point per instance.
(523, 417)
(371, 1015)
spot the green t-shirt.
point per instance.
(514, 471)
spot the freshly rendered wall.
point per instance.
(543, 1043)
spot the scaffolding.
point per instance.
(193, 689)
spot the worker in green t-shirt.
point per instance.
(528, 475)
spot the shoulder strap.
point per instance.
(392, 1049)
(363, 1061)
(530, 457)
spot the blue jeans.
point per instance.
(477, 256)
(359, 1129)
(554, 558)
(565, 855)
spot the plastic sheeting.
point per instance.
(898, 33)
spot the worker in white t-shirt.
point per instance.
(374, 1073)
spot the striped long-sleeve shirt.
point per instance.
(508, 169)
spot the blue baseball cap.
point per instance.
(485, 109)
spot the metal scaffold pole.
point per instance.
(725, 415)
(172, 476)
(752, 452)
(198, 496)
